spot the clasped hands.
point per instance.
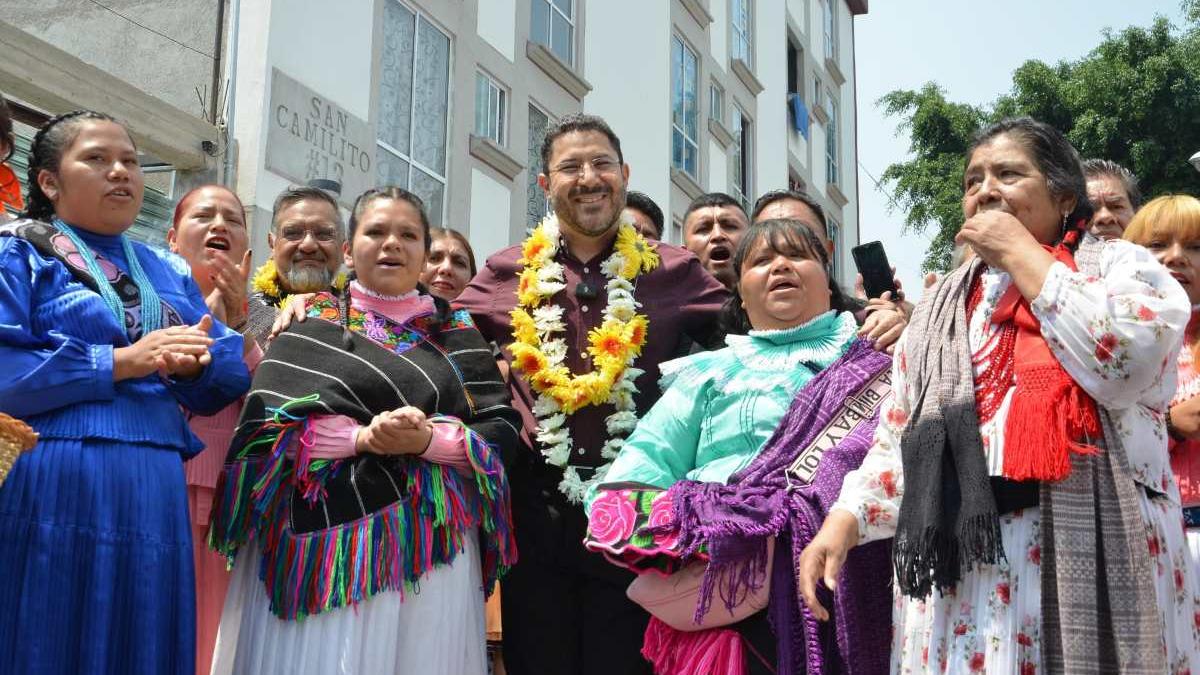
(403, 431)
(179, 351)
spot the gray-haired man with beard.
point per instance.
(565, 610)
(306, 251)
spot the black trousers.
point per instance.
(564, 609)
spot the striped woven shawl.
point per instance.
(335, 532)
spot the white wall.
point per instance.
(496, 23)
(489, 200)
(770, 160)
(718, 167)
(340, 69)
(718, 33)
(629, 68)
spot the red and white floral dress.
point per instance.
(1185, 455)
(1117, 336)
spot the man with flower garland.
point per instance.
(306, 252)
(585, 310)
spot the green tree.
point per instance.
(1134, 99)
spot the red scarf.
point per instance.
(1050, 414)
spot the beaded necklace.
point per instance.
(151, 305)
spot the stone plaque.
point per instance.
(311, 137)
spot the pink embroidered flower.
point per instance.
(977, 662)
(875, 513)
(896, 417)
(1146, 314)
(1178, 580)
(613, 517)
(1002, 592)
(960, 628)
(1024, 640)
(1152, 543)
(1105, 346)
(925, 655)
(1028, 668)
(887, 481)
(661, 513)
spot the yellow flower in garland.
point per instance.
(527, 359)
(608, 342)
(534, 249)
(640, 256)
(527, 289)
(635, 333)
(524, 329)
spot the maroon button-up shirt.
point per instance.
(681, 299)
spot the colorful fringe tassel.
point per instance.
(388, 550)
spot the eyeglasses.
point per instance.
(601, 166)
(324, 235)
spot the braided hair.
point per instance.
(441, 312)
(45, 154)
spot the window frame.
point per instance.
(716, 102)
(743, 36)
(438, 218)
(742, 183)
(535, 169)
(678, 79)
(829, 29)
(833, 145)
(552, 9)
(497, 117)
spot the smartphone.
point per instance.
(872, 264)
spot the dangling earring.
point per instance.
(1064, 222)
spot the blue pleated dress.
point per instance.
(95, 545)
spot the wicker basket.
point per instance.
(15, 437)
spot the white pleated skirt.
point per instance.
(437, 629)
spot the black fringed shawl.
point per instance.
(335, 532)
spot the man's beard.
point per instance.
(566, 216)
(307, 279)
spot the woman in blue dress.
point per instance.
(104, 342)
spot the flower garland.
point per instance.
(614, 345)
(266, 281)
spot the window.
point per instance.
(685, 113)
(795, 65)
(716, 102)
(742, 160)
(831, 144)
(414, 104)
(554, 27)
(536, 204)
(830, 12)
(743, 46)
(491, 109)
(834, 231)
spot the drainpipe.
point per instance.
(231, 93)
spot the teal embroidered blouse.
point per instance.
(720, 407)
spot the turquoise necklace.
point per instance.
(151, 305)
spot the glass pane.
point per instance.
(390, 169)
(676, 149)
(395, 82)
(564, 6)
(502, 117)
(432, 191)
(494, 114)
(560, 42)
(432, 73)
(481, 97)
(539, 29)
(690, 160)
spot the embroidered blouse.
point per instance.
(1185, 455)
(720, 407)
(1117, 336)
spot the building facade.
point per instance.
(451, 99)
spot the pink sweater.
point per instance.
(216, 431)
(1185, 455)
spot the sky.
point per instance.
(970, 50)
